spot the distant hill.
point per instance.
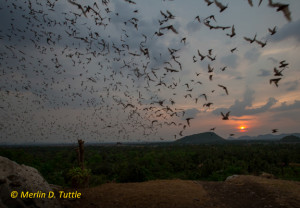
(290, 138)
(265, 137)
(201, 138)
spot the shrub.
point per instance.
(79, 177)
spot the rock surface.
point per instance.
(240, 191)
(22, 178)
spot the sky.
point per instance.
(111, 70)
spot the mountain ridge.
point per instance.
(201, 138)
(267, 137)
(290, 138)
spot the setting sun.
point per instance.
(242, 128)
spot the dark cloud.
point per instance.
(292, 85)
(274, 61)
(252, 55)
(239, 78)
(124, 12)
(264, 73)
(285, 107)
(291, 30)
(243, 107)
(291, 114)
(22, 26)
(191, 113)
(230, 60)
(193, 26)
(241, 119)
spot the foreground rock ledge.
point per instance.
(239, 191)
(33, 190)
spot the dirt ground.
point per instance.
(240, 191)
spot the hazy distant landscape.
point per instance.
(188, 158)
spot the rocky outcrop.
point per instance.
(31, 188)
(232, 177)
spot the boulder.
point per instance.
(232, 177)
(267, 175)
(28, 183)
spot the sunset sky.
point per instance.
(66, 76)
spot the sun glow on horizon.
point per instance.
(242, 128)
